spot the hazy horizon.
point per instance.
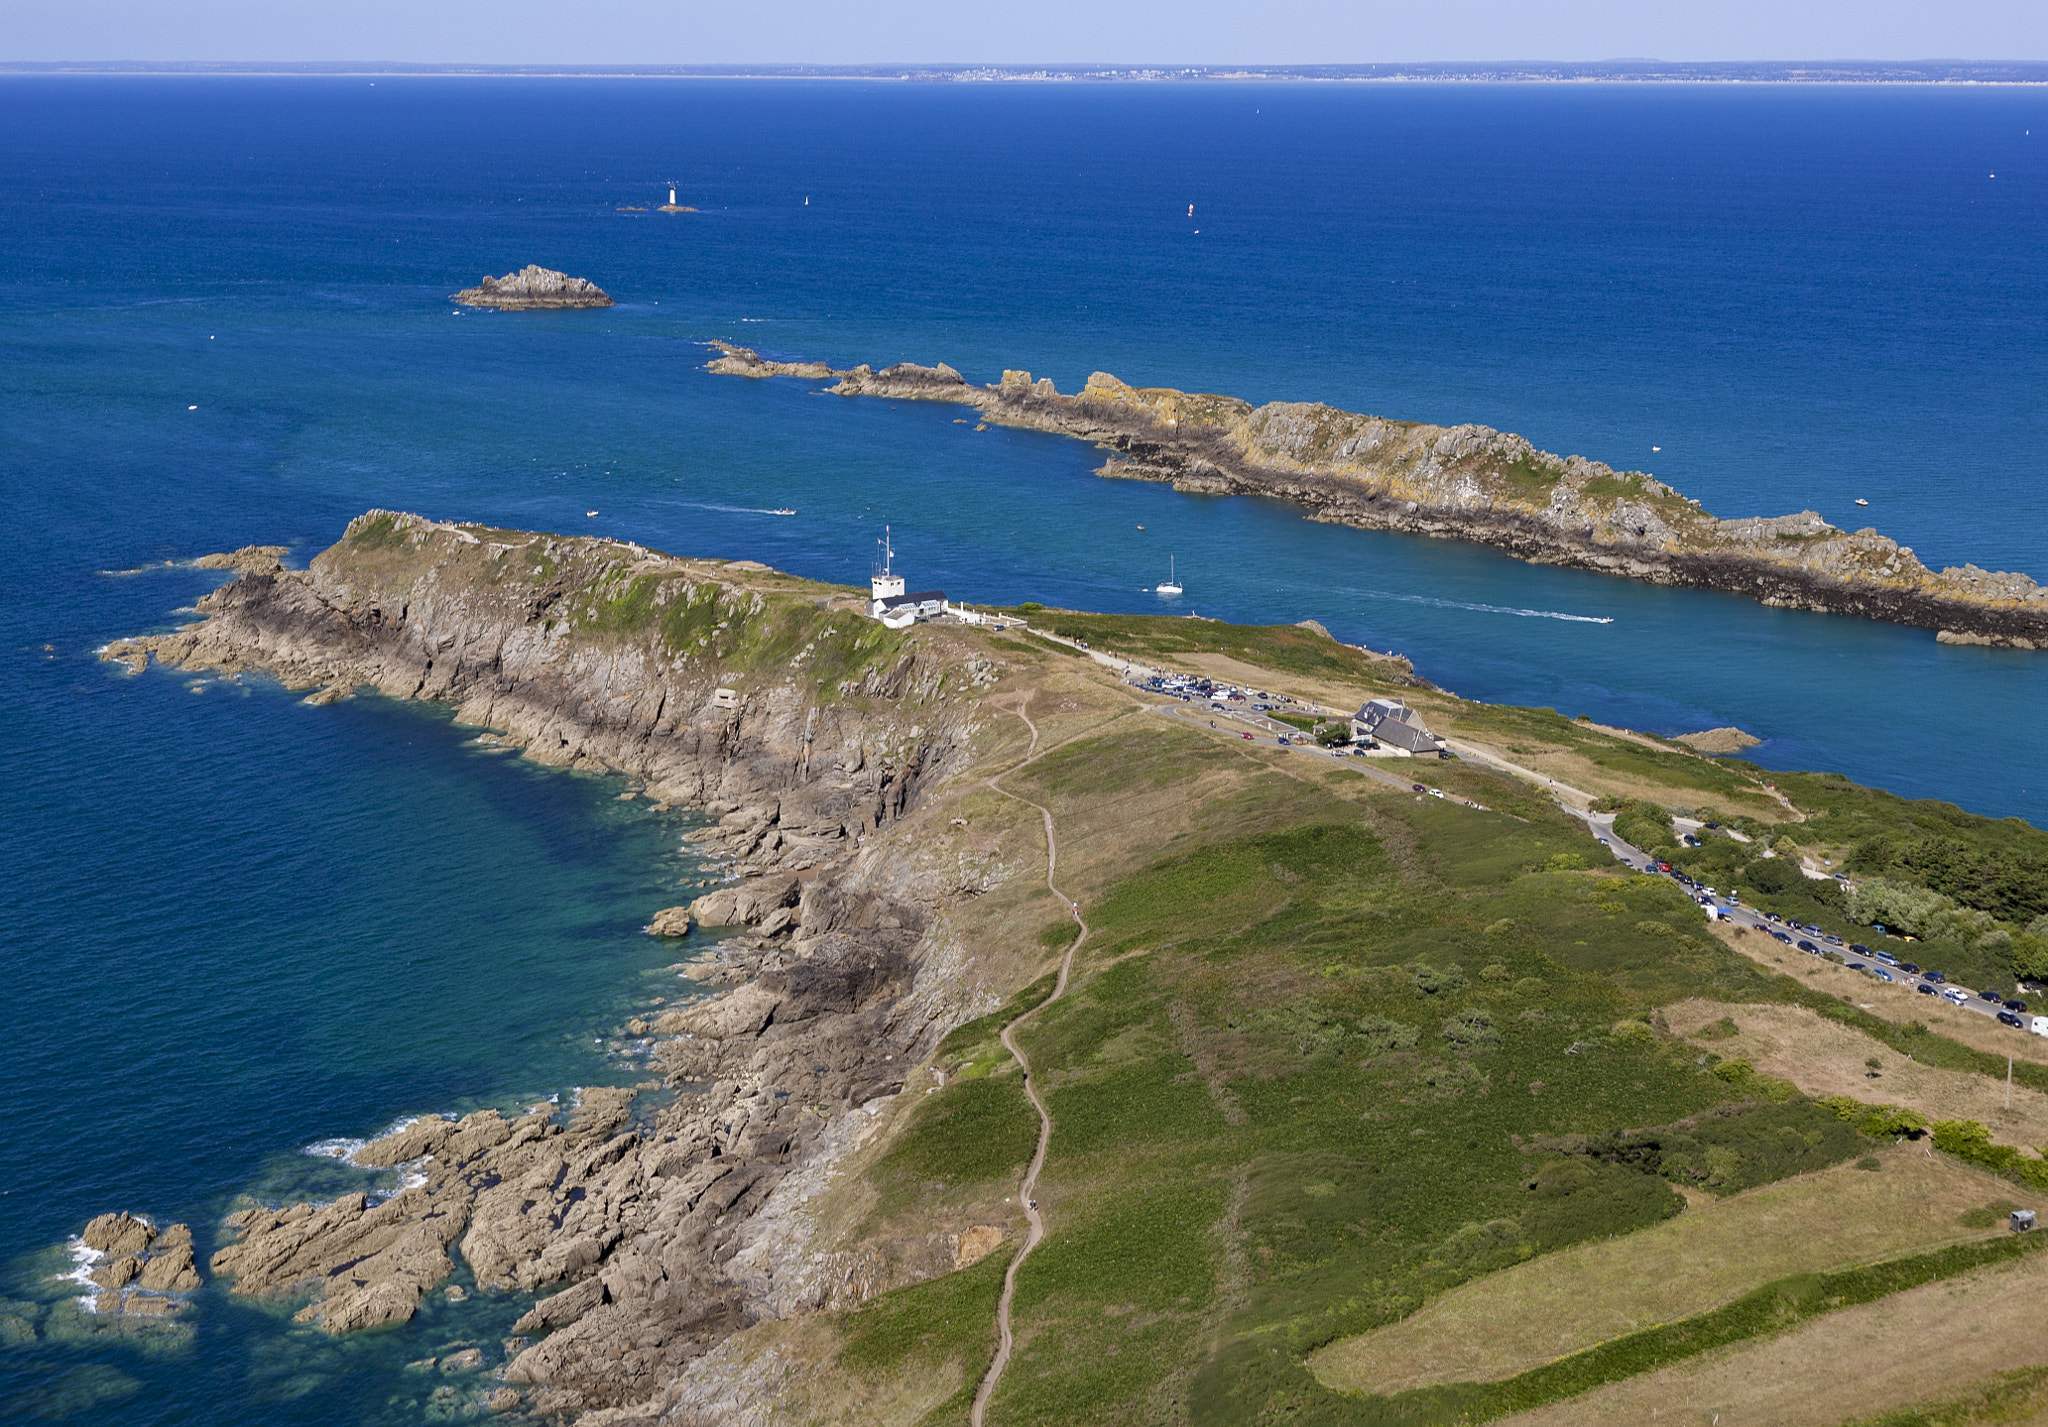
(1057, 33)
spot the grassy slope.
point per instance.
(1524, 1317)
(1332, 1051)
(1919, 1346)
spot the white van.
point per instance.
(2039, 1026)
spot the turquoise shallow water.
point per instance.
(237, 925)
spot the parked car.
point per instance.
(2007, 1018)
(1924, 989)
(1782, 937)
(1935, 976)
(2015, 1005)
(1951, 994)
(1881, 974)
(1859, 947)
(1418, 787)
(1805, 945)
(1991, 996)
(1858, 966)
(1886, 957)
(1909, 966)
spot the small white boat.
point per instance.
(591, 514)
(1861, 501)
(784, 511)
(1172, 585)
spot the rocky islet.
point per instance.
(533, 287)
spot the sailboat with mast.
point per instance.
(1172, 585)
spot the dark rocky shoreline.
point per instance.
(658, 1242)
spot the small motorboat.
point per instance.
(784, 511)
(1861, 501)
(591, 514)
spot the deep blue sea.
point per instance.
(236, 926)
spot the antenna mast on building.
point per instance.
(884, 584)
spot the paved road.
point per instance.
(1255, 727)
(1733, 911)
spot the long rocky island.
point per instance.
(1470, 483)
(1298, 1047)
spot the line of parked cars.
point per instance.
(2011, 1011)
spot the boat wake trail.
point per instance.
(1490, 608)
(734, 509)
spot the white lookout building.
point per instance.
(889, 603)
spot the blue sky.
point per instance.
(1021, 31)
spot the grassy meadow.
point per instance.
(1333, 1052)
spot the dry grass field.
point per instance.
(1898, 1002)
(1921, 1347)
(1824, 1058)
(1518, 1319)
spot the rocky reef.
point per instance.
(810, 734)
(1471, 483)
(533, 286)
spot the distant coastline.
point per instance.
(1622, 71)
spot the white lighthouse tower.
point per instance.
(885, 584)
(671, 198)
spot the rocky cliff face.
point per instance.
(533, 286)
(1472, 483)
(809, 732)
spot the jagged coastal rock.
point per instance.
(1470, 483)
(140, 1270)
(249, 560)
(670, 921)
(1718, 740)
(533, 286)
(811, 733)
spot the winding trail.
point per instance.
(1025, 1190)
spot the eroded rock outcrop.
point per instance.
(1719, 740)
(1470, 483)
(533, 286)
(140, 1270)
(670, 921)
(249, 560)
